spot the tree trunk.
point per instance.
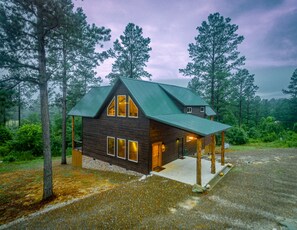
(64, 118)
(19, 105)
(45, 121)
(47, 166)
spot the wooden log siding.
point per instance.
(167, 134)
(95, 132)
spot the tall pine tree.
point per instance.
(214, 55)
(292, 92)
(131, 54)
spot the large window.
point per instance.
(132, 110)
(122, 105)
(121, 148)
(133, 151)
(111, 108)
(110, 146)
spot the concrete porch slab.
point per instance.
(184, 170)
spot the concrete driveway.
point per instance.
(184, 170)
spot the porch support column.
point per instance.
(198, 165)
(223, 149)
(73, 134)
(213, 155)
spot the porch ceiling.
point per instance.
(191, 123)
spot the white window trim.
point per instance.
(129, 98)
(107, 146)
(118, 105)
(114, 107)
(129, 151)
(189, 108)
(202, 109)
(118, 148)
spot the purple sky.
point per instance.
(269, 28)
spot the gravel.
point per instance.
(258, 193)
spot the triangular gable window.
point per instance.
(132, 109)
(111, 108)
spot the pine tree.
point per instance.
(25, 30)
(131, 54)
(214, 55)
(292, 91)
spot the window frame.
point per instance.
(202, 109)
(124, 158)
(189, 110)
(129, 151)
(114, 107)
(107, 145)
(129, 98)
(118, 103)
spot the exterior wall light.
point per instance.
(163, 147)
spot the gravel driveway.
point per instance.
(259, 193)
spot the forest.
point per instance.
(49, 54)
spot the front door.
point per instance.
(156, 155)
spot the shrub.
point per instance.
(269, 137)
(236, 136)
(4, 150)
(9, 158)
(29, 138)
(253, 133)
(5, 135)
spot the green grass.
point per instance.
(37, 163)
(258, 145)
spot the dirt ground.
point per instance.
(260, 192)
(21, 186)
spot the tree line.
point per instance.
(45, 44)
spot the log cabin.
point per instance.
(142, 125)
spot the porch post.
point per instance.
(213, 155)
(73, 134)
(198, 165)
(223, 149)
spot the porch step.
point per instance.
(217, 178)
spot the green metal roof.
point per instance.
(209, 111)
(90, 104)
(150, 97)
(191, 123)
(184, 95)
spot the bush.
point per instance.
(9, 158)
(236, 136)
(253, 133)
(4, 150)
(5, 135)
(29, 138)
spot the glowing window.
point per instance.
(110, 146)
(133, 151)
(132, 109)
(121, 148)
(190, 138)
(111, 108)
(122, 106)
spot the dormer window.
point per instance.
(111, 108)
(121, 105)
(189, 109)
(132, 109)
(201, 109)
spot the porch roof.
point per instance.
(191, 123)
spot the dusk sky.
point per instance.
(269, 28)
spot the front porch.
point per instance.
(184, 170)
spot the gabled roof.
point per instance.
(150, 97)
(90, 104)
(156, 102)
(191, 123)
(184, 95)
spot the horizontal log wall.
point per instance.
(95, 132)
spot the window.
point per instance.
(110, 146)
(122, 105)
(111, 108)
(201, 109)
(189, 109)
(121, 148)
(133, 151)
(132, 109)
